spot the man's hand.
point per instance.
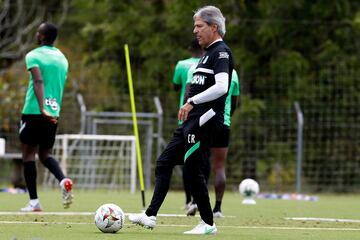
(184, 111)
(47, 116)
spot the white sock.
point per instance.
(34, 202)
(62, 182)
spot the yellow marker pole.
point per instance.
(133, 110)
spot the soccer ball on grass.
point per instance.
(109, 218)
(249, 188)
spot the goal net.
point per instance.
(96, 161)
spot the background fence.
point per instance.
(264, 128)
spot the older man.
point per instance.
(203, 117)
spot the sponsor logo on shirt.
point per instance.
(223, 55)
(198, 79)
(52, 103)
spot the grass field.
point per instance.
(266, 220)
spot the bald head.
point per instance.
(46, 34)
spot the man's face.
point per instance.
(204, 32)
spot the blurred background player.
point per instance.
(48, 69)
(182, 67)
(179, 81)
(219, 149)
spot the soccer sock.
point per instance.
(30, 175)
(217, 207)
(34, 202)
(53, 166)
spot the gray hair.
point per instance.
(212, 15)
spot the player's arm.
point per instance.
(38, 85)
(215, 91)
(235, 93)
(177, 77)
(234, 104)
(187, 90)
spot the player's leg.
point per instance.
(50, 163)
(187, 189)
(30, 175)
(29, 140)
(171, 156)
(218, 156)
(191, 211)
(53, 166)
(194, 163)
(219, 150)
(201, 195)
(45, 148)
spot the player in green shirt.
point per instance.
(48, 69)
(179, 81)
(219, 150)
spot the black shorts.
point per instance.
(222, 137)
(36, 130)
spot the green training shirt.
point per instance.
(54, 67)
(181, 73)
(234, 90)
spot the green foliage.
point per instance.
(305, 51)
(293, 47)
(12, 94)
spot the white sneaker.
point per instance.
(143, 220)
(218, 214)
(32, 208)
(187, 206)
(66, 190)
(192, 210)
(203, 228)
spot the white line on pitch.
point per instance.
(84, 214)
(323, 219)
(48, 213)
(48, 223)
(274, 228)
(183, 225)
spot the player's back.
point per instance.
(53, 66)
(51, 61)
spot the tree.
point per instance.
(18, 21)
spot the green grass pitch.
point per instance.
(265, 220)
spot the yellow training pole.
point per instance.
(133, 110)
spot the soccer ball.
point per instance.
(109, 218)
(249, 188)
